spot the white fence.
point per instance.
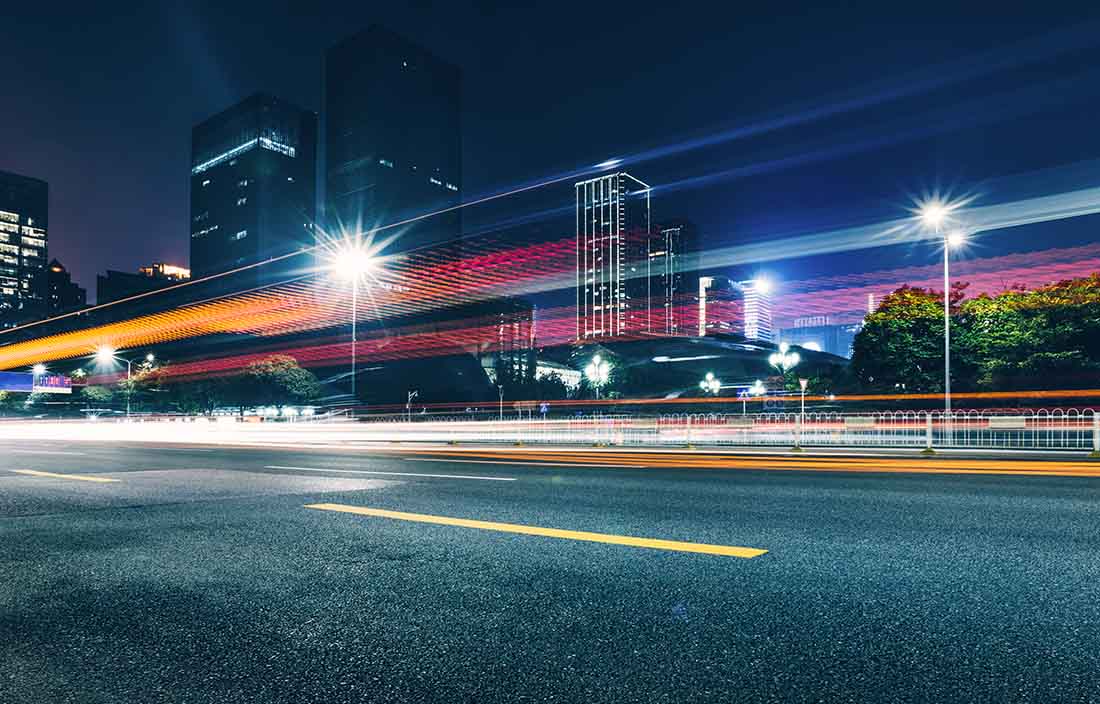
(1068, 429)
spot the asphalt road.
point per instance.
(200, 575)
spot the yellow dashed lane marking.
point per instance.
(55, 475)
(654, 543)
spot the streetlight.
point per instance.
(351, 261)
(710, 384)
(784, 360)
(500, 390)
(105, 354)
(933, 214)
(597, 372)
(408, 405)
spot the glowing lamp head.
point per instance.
(352, 262)
(956, 239)
(38, 369)
(933, 213)
(150, 358)
(105, 353)
(762, 285)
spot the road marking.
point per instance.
(654, 543)
(525, 464)
(391, 474)
(54, 475)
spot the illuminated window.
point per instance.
(9, 217)
(205, 182)
(242, 201)
(243, 182)
(386, 162)
(452, 187)
(240, 235)
(434, 180)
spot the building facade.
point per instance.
(64, 294)
(393, 141)
(253, 193)
(24, 225)
(613, 232)
(758, 310)
(720, 307)
(820, 333)
(670, 272)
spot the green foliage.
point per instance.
(278, 381)
(96, 395)
(1018, 339)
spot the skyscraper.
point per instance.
(721, 306)
(668, 294)
(758, 310)
(24, 221)
(253, 168)
(612, 237)
(393, 139)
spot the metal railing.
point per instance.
(1069, 429)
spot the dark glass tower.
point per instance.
(24, 221)
(253, 193)
(393, 141)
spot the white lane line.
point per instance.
(390, 474)
(528, 463)
(42, 452)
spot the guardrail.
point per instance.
(1055, 429)
(1068, 429)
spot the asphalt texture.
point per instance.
(200, 576)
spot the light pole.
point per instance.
(597, 372)
(351, 262)
(408, 405)
(500, 390)
(933, 214)
(107, 354)
(757, 389)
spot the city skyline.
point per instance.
(693, 200)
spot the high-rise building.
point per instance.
(669, 272)
(253, 173)
(393, 140)
(721, 306)
(64, 294)
(24, 221)
(758, 310)
(116, 285)
(820, 333)
(612, 236)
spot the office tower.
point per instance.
(64, 294)
(669, 271)
(24, 221)
(820, 333)
(758, 310)
(720, 306)
(116, 285)
(253, 168)
(393, 140)
(612, 234)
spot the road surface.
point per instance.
(168, 573)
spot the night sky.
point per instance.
(852, 111)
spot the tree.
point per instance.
(277, 381)
(96, 396)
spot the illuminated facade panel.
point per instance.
(24, 223)
(612, 217)
(758, 310)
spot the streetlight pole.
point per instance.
(354, 321)
(947, 338)
(500, 390)
(408, 405)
